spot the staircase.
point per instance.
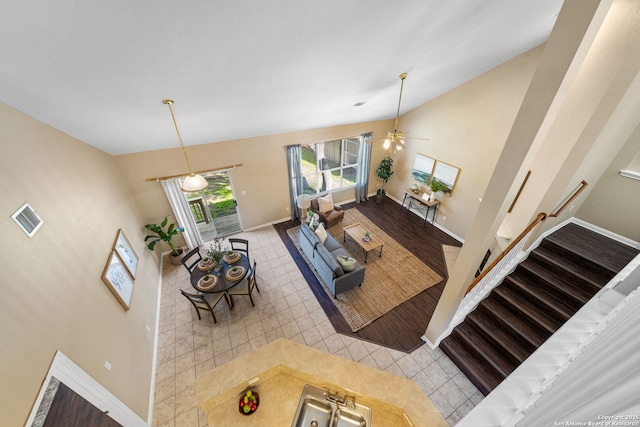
(558, 277)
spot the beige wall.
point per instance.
(466, 127)
(263, 174)
(53, 297)
(614, 202)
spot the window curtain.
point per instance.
(294, 159)
(364, 166)
(181, 211)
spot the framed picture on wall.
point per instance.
(446, 174)
(423, 168)
(126, 252)
(118, 279)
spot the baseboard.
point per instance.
(431, 345)
(435, 223)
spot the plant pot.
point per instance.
(175, 259)
(379, 198)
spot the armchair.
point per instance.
(327, 212)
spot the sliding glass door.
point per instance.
(214, 209)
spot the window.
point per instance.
(329, 165)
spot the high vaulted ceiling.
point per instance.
(99, 71)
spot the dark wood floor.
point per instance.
(403, 327)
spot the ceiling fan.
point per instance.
(395, 139)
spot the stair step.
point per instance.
(490, 355)
(508, 344)
(483, 377)
(564, 289)
(568, 268)
(533, 293)
(585, 279)
(517, 324)
(595, 247)
(528, 309)
(560, 254)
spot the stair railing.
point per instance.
(504, 264)
(514, 248)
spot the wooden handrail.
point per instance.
(580, 189)
(541, 217)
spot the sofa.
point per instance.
(327, 212)
(324, 257)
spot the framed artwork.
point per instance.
(126, 252)
(423, 169)
(446, 174)
(118, 279)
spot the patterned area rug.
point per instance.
(389, 281)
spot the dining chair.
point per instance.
(206, 302)
(191, 259)
(240, 245)
(246, 286)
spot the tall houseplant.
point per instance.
(384, 172)
(162, 234)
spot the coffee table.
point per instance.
(356, 232)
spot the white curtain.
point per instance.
(182, 212)
(364, 165)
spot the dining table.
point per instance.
(235, 267)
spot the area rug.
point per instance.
(390, 280)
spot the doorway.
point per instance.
(214, 209)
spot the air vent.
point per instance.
(27, 219)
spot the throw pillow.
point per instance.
(325, 203)
(346, 262)
(321, 233)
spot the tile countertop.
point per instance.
(284, 367)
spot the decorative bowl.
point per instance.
(249, 402)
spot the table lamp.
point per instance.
(304, 201)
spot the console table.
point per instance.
(421, 204)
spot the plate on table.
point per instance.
(206, 265)
(205, 284)
(235, 273)
(232, 257)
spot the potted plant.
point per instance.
(438, 187)
(162, 234)
(216, 251)
(384, 172)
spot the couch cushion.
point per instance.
(346, 262)
(330, 260)
(325, 204)
(331, 244)
(309, 234)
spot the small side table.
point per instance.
(422, 204)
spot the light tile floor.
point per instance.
(285, 307)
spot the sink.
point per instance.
(320, 408)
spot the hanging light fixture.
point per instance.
(395, 140)
(192, 182)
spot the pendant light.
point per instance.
(192, 182)
(395, 140)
